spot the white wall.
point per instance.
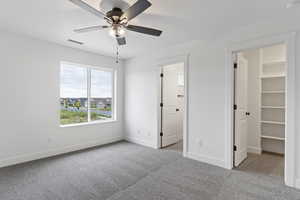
(206, 127)
(253, 138)
(29, 90)
(206, 88)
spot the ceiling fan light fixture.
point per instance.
(117, 31)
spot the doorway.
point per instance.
(260, 110)
(289, 39)
(172, 106)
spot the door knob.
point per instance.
(247, 113)
(177, 109)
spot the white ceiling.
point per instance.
(181, 21)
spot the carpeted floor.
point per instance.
(125, 171)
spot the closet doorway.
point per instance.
(172, 106)
(260, 110)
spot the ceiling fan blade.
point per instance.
(144, 30)
(121, 40)
(89, 8)
(88, 29)
(136, 9)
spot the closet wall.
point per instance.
(273, 70)
(266, 99)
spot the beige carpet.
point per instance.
(266, 163)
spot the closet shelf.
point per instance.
(273, 122)
(272, 76)
(276, 62)
(273, 107)
(273, 92)
(272, 138)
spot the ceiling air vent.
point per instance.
(75, 42)
(293, 3)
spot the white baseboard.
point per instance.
(140, 142)
(35, 156)
(206, 159)
(298, 183)
(255, 150)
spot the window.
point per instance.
(86, 94)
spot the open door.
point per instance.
(169, 87)
(241, 80)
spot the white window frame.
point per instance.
(89, 68)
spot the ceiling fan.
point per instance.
(118, 19)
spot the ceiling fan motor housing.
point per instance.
(115, 14)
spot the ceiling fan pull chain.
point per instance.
(117, 56)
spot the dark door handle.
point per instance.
(177, 109)
(247, 113)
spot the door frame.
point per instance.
(289, 40)
(168, 61)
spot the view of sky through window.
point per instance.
(74, 82)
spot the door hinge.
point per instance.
(161, 134)
(234, 148)
(161, 105)
(235, 65)
(235, 107)
(161, 75)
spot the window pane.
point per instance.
(73, 95)
(101, 95)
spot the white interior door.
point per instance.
(180, 111)
(169, 114)
(241, 80)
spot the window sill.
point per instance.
(88, 123)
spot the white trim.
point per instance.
(160, 64)
(114, 106)
(141, 142)
(88, 123)
(89, 84)
(298, 183)
(54, 152)
(107, 69)
(255, 150)
(289, 40)
(290, 115)
(205, 159)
